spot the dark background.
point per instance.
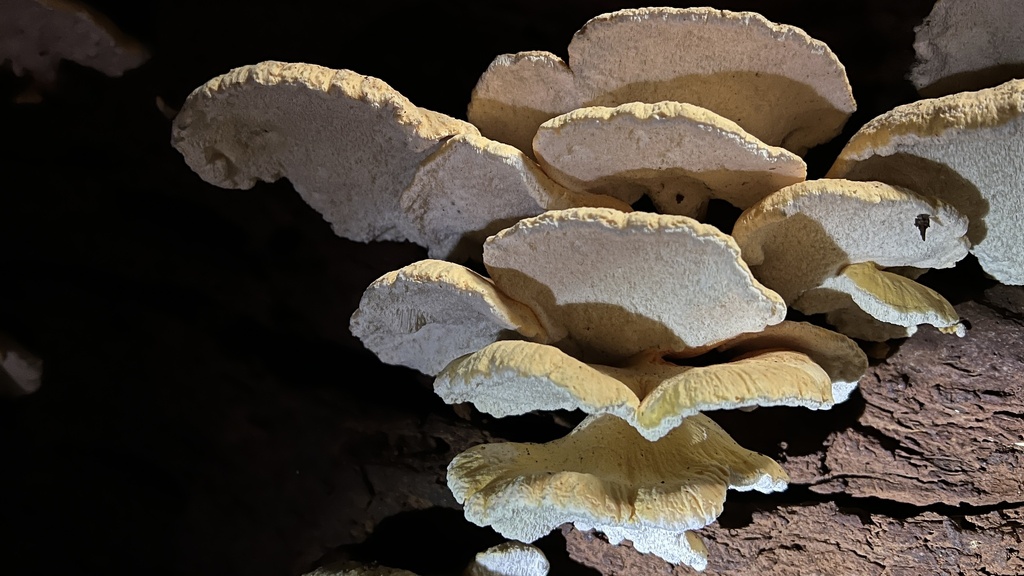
(204, 409)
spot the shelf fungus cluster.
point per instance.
(643, 321)
(373, 164)
(679, 129)
(784, 87)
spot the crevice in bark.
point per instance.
(740, 506)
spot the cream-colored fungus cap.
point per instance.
(605, 476)
(774, 80)
(614, 284)
(518, 92)
(966, 149)
(650, 393)
(678, 154)
(350, 144)
(472, 187)
(869, 295)
(509, 559)
(968, 45)
(431, 312)
(841, 358)
(35, 35)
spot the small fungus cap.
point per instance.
(966, 149)
(881, 297)
(679, 154)
(614, 284)
(472, 187)
(781, 85)
(841, 358)
(509, 559)
(430, 312)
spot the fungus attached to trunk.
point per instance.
(680, 155)
(862, 295)
(840, 357)
(605, 476)
(509, 559)
(774, 80)
(615, 284)
(788, 364)
(349, 144)
(473, 187)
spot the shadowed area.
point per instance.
(778, 110)
(973, 80)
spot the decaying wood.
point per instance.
(825, 539)
(944, 417)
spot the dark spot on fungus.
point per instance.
(922, 222)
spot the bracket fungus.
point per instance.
(626, 290)
(966, 149)
(509, 559)
(967, 45)
(472, 187)
(652, 393)
(35, 35)
(430, 312)
(823, 244)
(678, 154)
(605, 476)
(373, 164)
(774, 80)
(617, 284)
(20, 371)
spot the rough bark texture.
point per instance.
(944, 417)
(820, 539)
